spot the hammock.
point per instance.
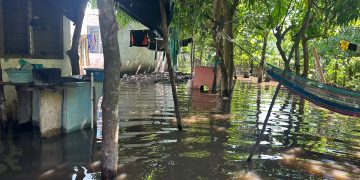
(336, 99)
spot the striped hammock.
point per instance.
(336, 99)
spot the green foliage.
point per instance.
(122, 18)
(341, 67)
(93, 4)
(346, 11)
(330, 21)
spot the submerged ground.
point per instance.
(302, 141)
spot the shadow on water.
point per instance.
(301, 141)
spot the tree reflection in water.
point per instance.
(302, 141)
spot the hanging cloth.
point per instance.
(174, 46)
(139, 38)
(92, 43)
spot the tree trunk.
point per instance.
(110, 105)
(228, 11)
(280, 37)
(263, 57)
(336, 71)
(202, 48)
(201, 55)
(228, 56)
(192, 61)
(287, 66)
(306, 57)
(73, 53)
(282, 53)
(251, 67)
(350, 69)
(168, 59)
(297, 60)
(217, 28)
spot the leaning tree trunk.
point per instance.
(306, 57)
(263, 57)
(73, 53)
(110, 105)
(282, 53)
(301, 33)
(165, 31)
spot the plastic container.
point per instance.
(24, 65)
(98, 74)
(47, 76)
(19, 76)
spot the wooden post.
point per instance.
(168, 59)
(318, 66)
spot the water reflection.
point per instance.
(301, 141)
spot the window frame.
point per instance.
(60, 50)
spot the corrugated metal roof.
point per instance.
(147, 12)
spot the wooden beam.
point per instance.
(2, 44)
(165, 31)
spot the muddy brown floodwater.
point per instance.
(302, 141)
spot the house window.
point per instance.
(32, 29)
(15, 27)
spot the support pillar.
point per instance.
(50, 112)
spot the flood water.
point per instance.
(302, 141)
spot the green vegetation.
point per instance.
(247, 34)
